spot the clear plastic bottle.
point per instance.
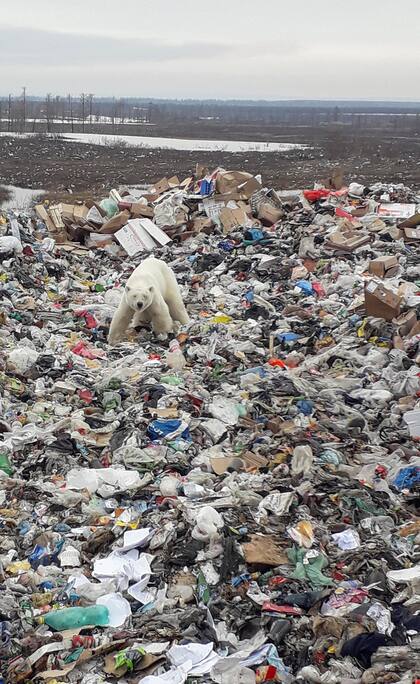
(174, 357)
(71, 618)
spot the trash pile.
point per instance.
(240, 507)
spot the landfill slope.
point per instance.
(240, 507)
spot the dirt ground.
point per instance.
(57, 166)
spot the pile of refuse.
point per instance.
(241, 511)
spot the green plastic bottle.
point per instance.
(71, 618)
(5, 464)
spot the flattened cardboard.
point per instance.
(166, 184)
(161, 186)
(250, 461)
(201, 170)
(264, 550)
(411, 222)
(115, 223)
(380, 302)
(232, 219)
(139, 210)
(384, 267)
(202, 225)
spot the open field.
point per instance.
(57, 165)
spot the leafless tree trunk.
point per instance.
(48, 112)
(71, 112)
(9, 114)
(83, 100)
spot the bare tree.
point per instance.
(48, 112)
(91, 108)
(24, 108)
(83, 102)
(70, 99)
(9, 114)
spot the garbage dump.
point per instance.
(237, 503)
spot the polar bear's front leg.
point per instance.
(120, 322)
(161, 321)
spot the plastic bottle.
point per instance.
(174, 357)
(5, 464)
(71, 618)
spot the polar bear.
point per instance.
(151, 295)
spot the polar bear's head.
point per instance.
(139, 297)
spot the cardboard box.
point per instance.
(384, 267)
(67, 211)
(396, 210)
(406, 323)
(411, 234)
(42, 214)
(232, 219)
(80, 213)
(347, 241)
(55, 214)
(140, 235)
(251, 186)
(380, 302)
(229, 181)
(269, 214)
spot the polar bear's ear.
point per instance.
(127, 288)
(150, 288)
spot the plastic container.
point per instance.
(174, 357)
(72, 618)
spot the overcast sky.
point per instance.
(271, 49)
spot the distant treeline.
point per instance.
(55, 113)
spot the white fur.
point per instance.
(151, 295)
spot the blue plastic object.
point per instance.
(305, 286)
(158, 429)
(407, 478)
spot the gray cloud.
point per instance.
(28, 47)
(234, 48)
